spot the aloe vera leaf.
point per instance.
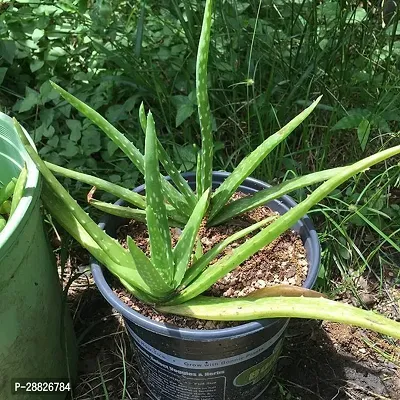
(216, 271)
(169, 166)
(199, 184)
(176, 177)
(19, 189)
(262, 197)
(7, 190)
(147, 270)
(3, 223)
(248, 309)
(142, 117)
(203, 102)
(116, 190)
(67, 220)
(128, 212)
(202, 263)
(224, 192)
(131, 151)
(198, 250)
(139, 294)
(184, 248)
(5, 208)
(107, 244)
(119, 211)
(156, 213)
(285, 291)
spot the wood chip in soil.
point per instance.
(281, 262)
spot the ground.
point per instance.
(321, 361)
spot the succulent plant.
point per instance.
(171, 279)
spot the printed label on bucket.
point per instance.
(243, 376)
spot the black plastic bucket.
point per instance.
(221, 364)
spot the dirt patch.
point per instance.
(320, 361)
(281, 262)
(330, 361)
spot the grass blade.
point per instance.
(252, 161)
(147, 270)
(116, 190)
(156, 213)
(245, 204)
(19, 189)
(202, 263)
(385, 237)
(284, 222)
(248, 309)
(203, 102)
(184, 248)
(139, 29)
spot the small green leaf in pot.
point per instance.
(7, 190)
(3, 223)
(262, 197)
(5, 208)
(19, 189)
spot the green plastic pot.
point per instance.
(36, 334)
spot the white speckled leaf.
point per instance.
(170, 168)
(149, 273)
(184, 248)
(113, 133)
(248, 309)
(262, 197)
(156, 213)
(174, 197)
(203, 104)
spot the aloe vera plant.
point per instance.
(173, 279)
